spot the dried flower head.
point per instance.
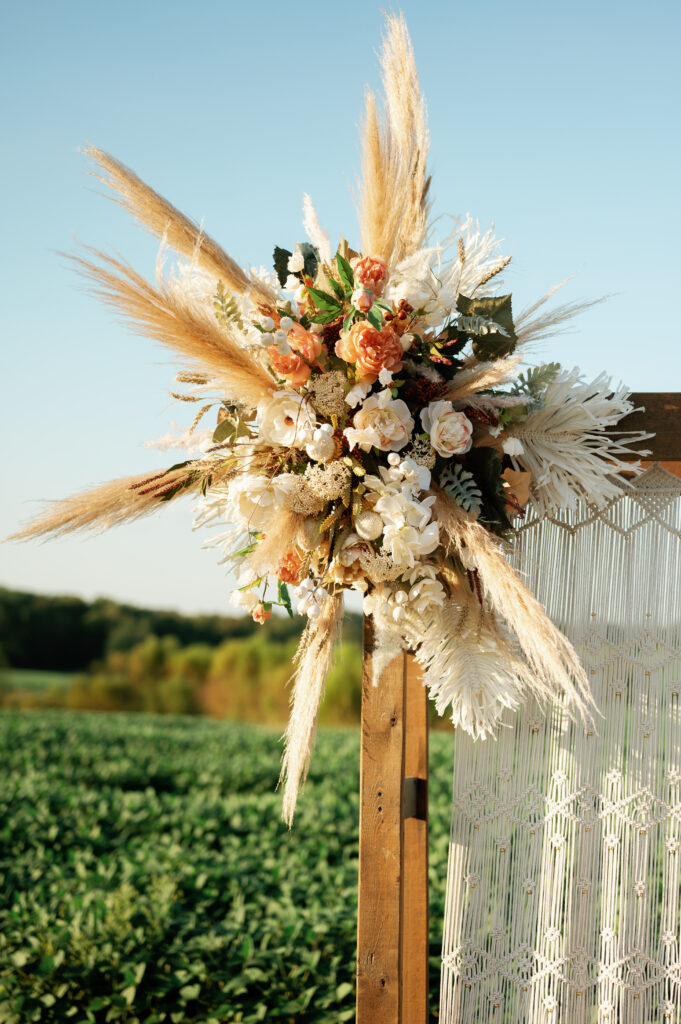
(422, 452)
(328, 483)
(327, 393)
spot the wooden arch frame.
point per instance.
(392, 918)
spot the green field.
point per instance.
(29, 680)
(148, 877)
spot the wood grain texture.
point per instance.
(662, 416)
(379, 911)
(415, 846)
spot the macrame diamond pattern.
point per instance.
(564, 896)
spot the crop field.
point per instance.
(147, 875)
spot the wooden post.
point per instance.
(392, 924)
(415, 852)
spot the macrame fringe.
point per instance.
(565, 855)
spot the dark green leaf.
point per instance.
(375, 318)
(347, 274)
(323, 300)
(311, 257)
(281, 258)
(338, 288)
(492, 345)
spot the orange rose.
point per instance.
(291, 366)
(371, 272)
(370, 349)
(289, 570)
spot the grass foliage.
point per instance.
(148, 876)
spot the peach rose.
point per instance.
(259, 614)
(362, 299)
(371, 272)
(290, 365)
(289, 570)
(370, 349)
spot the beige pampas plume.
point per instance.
(482, 376)
(313, 660)
(393, 195)
(118, 501)
(186, 326)
(532, 328)
(162, 219)
(555, 667)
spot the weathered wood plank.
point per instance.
(415, 845)
(379, 911)
(662, 416)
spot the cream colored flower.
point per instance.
(253, 501)
(450, 431)
(383, 422)
(286, 419)
(512, 446)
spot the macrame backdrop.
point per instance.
(563, 895)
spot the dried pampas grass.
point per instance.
(110, 504)
(531, 328)
(393, 197)
(313, 660)
(185, 326)
(162, 219)
(555, 667)
(481, 376)
(271, 550)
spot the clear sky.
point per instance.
(557, 121)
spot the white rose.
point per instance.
(450, 431)
(253, 501)
(285, 419)
(382, 422)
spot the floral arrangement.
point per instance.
(376, 430)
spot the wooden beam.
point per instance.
(415, 847)
(661, 416)
(379, 909)
(392, 913)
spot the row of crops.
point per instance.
(148, 877)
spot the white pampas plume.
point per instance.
(568, 447)
(313, 660)
(315, 232)
(471, 667)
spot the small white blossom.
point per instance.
(296, 262)
(385, 377)
(286, 323)
(512, 446)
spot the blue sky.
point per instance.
(557, 121)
